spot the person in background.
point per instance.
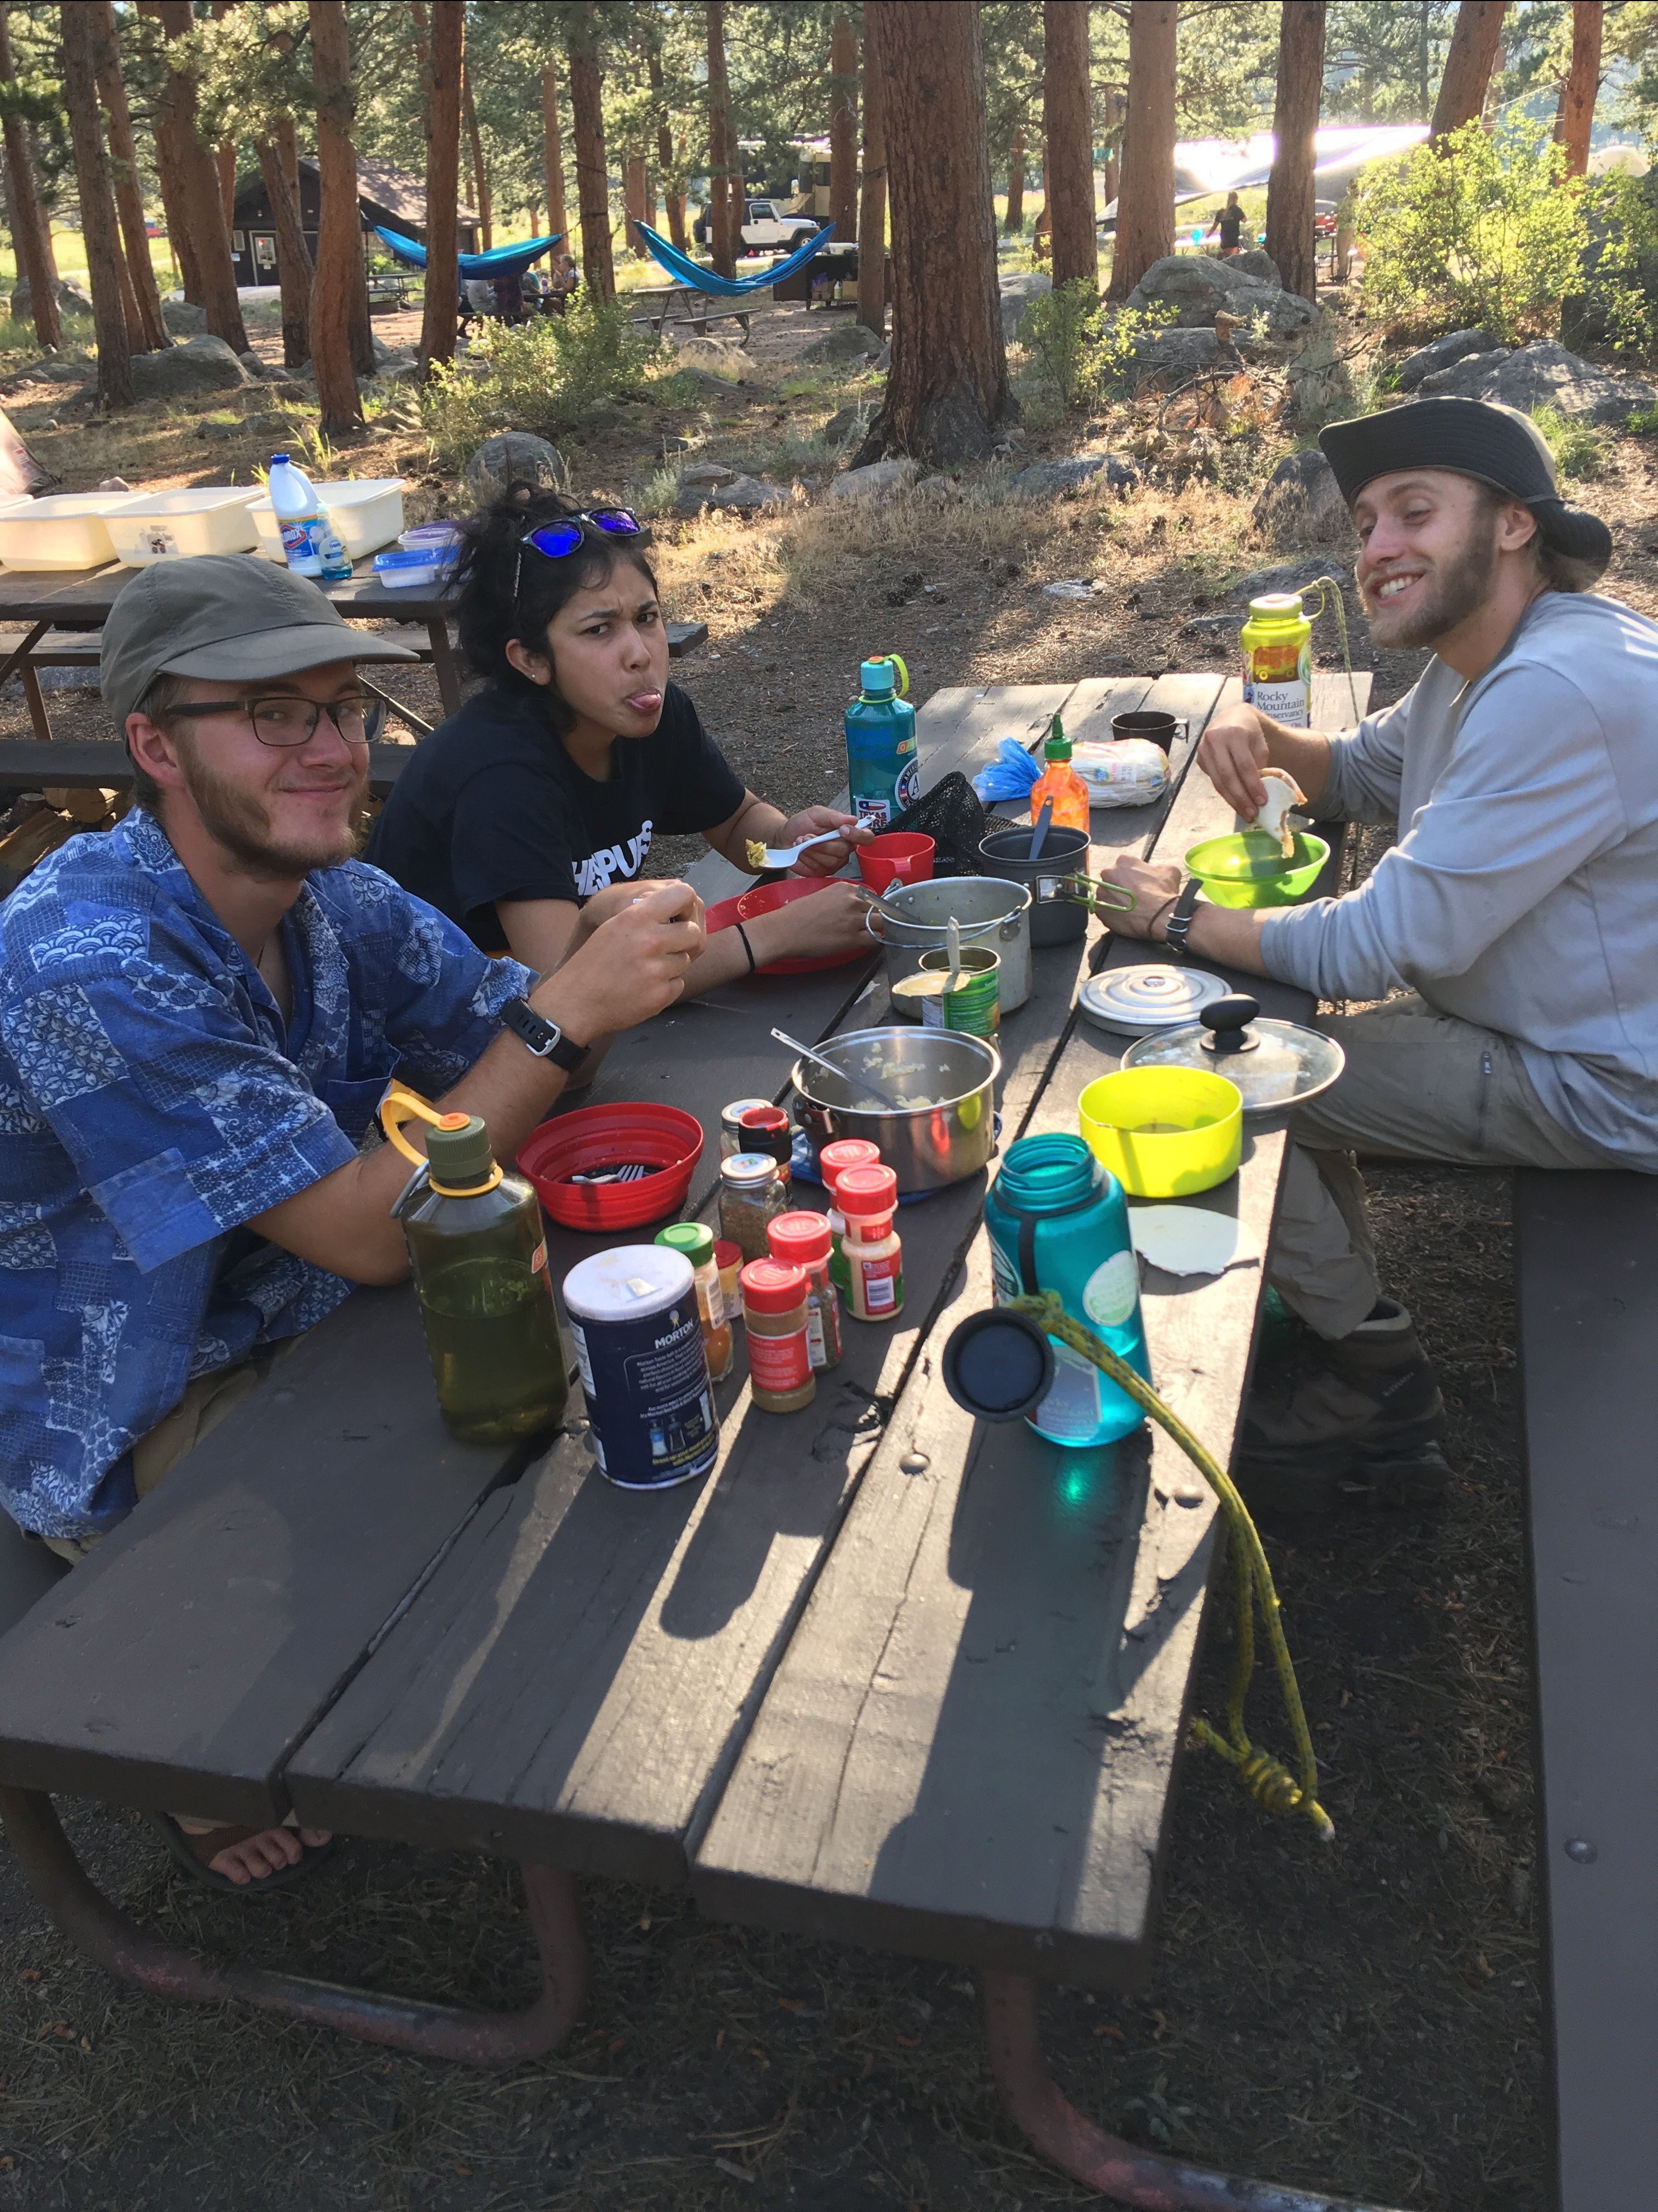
(563, 283)
(1229, 222)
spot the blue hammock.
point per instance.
(684, 270)
(500, 261)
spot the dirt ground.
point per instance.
(1363, 2018)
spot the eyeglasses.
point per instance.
(282, 721)
(557, 540)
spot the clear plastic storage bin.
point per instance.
(366, 514)
(68, 531)
(163, 526)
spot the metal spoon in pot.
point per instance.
(861, 1082)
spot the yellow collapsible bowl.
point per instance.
(1163, 1132)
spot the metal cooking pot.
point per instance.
(925, 1146)
(912, 918)
(1006, 853)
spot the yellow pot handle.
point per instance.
(903, 674)
(400, 1105)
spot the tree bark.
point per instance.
(480, 173)
(339, 247)
(591, 180)
(552, 148)
(1576, 118)
(725, 193)
(633, 188)
(1145, 201)
(843, 128)
(293, 256)
(444, 56)
(98, 232)
(151, 335)
(1068, 125)
(947, 391)
(872, 200)
(29, 222)
(203, 208)
(1112, 104)
(1291, 241)
(675, 201)
(1013, 221)
(1469, 65)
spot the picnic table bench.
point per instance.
(882, 1675)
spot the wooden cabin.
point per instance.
(384, 194)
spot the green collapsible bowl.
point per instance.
(1249, 869)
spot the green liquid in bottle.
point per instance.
(493, 1335)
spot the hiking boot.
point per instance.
(1369, 1421)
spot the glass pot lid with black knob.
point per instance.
(1273, 1064)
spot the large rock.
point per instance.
(706, 474)
(181, 319)
(513, 458)
(1193, 285)
(1173, 357)
(73, 298)
(699, 351)
(847, 423)
(1302, 504)
(1047, 479)
(1256, 264)
(704, 379)
(879, 480)
(202, 363)
(850, 341)
(748, 495)
(1444, 353)
(1545, 375)
(1018, 292)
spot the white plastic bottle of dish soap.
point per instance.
(298, 516)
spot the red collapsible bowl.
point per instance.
(766, 898)
(660, 1137)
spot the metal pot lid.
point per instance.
(1273, 1064)
(1136, 1001)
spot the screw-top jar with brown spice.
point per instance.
(802, 1240)
(751, 1194)
(780, 1379)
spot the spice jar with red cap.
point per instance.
(765, 1129)
(842, 1152)
(868, 1198)
(802, 1239)
(775, 1317)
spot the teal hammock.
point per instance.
(500, 261)
(684, 270)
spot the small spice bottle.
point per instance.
(751, 1194)
(765, 1129)
(731, 1125)
(842, 1152)
(803, 1240)
(780, 1356)
(874, 1256)
(729, 1261)
(696, 1241)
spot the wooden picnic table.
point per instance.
(883, 1677)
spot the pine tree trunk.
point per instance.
(591, 181)
(98, 232)
(947, 393)
(674, 202)
(1468, 64)
(293, 256)
(224, 153)
(28, 217)
(204, 208)
(1576, 118)
(445, 55)
(339, 249)
(843, 128)
(1013, 221)
(677, 227)
(1145, 203)
(151, 332)
(725, 193)
(480, 173)
(552, 149)
(1291, 238)
(1068, 127)
(175, 196)
(872, 200)
(634, 185)
(1112, 106)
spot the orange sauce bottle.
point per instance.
(1060, 782)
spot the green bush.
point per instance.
(542, 377)
(1483, 230)
(1578, 447)
(1619, 284)
(1085, 351)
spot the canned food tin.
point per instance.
(975, 1004)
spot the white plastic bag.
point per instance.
(1124, 772)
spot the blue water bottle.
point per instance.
(1058, 1222)
(884, 764)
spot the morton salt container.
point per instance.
(639, 1341)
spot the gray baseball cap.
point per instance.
(228, 616)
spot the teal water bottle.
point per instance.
(884, 764)
(1058, 1222)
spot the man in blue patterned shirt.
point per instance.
(199, 1013)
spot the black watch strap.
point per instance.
(1180, 921)
(543, 1038)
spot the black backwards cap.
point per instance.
(1478, 438)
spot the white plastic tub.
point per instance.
(164, 526)
(367, 515)
(68, 531)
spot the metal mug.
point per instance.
(1161, 729)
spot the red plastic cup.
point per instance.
(900, 856)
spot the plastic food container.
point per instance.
(68, 531)
(1249, 869)
(163, 525)
(660, 1138)
(1163, 1132)
(402, 570)
(441, 537)
(366, 515)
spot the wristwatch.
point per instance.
(543, 1038)
(1174, 929)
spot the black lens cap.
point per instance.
(998, 1366)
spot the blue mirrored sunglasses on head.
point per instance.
(557, 540)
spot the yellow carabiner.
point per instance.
(400, 1105)
(903, 674)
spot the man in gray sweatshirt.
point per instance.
(1514, 922)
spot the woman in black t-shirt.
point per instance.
(528, 816)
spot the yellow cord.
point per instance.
(1266, 1779)
(1329, 602)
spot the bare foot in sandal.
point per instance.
(244, 1855)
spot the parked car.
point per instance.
(768, 226)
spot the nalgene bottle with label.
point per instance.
(883, 764)
(1058, 1222)
(479, 1258)
(1278, 658)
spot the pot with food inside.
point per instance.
(943, 1082)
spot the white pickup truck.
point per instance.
(768, 226)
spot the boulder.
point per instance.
(59, 368)
(1047, 479)
(696, 350)
(847, 423)
(1302, 504)
(1174, 357)
(1257, 264)
(1193, 286)
(704, 379)
(1444, 353)
(883, 360)
(879, 480)
(1545, 375)
(1460, 377)
(706, 474)
(202, 363)
(849, 342)
(512, 457)
(250, 426)
(181, 319)
(73, 298)
(748, 495)
(1018, 292)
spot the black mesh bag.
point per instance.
(954, 816)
